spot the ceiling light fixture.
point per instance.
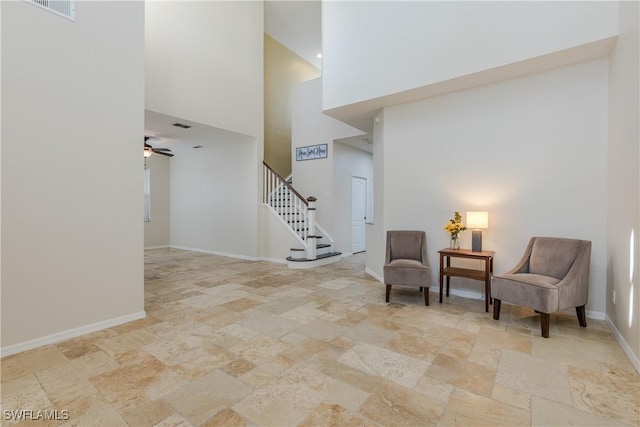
(319, 55)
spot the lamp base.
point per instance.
(476, 240)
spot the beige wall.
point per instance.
(72, 170)
(283, 69)
(157, 231)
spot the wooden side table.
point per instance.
(482, 275)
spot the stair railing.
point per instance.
(288, 204)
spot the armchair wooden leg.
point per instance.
(388, 292)
(544, 324)
(426, 296)
(582, 317)
(496, 308)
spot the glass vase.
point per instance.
(454, 243)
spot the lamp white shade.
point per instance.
(477, 220)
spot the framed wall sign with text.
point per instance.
(311, 152)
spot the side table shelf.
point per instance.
(484, 275)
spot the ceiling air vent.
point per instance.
(65, 8)
(180, 125)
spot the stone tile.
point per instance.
(269, 324)
(611, 392)
(242, 304)
(394, 405)
(24, 393)
(125, 343)
(367, 332)
(148, 414)
(328, 414)
(136, 384)
(336, 284)
(85, 344)
(322, 330)
(412, 342)
(346, 395)
(466, 408)
(548, 413)
(525, 373)
(396, 367)
(21, 364)
(287, 400)
(516, 398)
(104, 415)
(222, 332)
(237, 367)
(265, 372)
(343, 342)
(206, 300)
(310, 347)
(174, 420)
(279, 304)
(225, 418)
(259, 349)
(434, 388)
(201, 399)
(345, 373)
(463, 374)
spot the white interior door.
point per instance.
(358, 213)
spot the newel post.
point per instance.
(311, 237)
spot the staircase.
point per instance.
(298, 215)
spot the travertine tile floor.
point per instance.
(229, 342)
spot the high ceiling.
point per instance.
(294, 24)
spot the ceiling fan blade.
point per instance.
(162, 152)
(162, 149)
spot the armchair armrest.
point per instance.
(523, 265)
(573, 288)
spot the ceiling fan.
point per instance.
(149, 150)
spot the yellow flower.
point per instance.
(454, 226)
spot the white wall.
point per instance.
(277, 241)
(372, 49)
(376, 232)
(157, 230)
(310, 127)
(623, 214)
(204, 62)
(213, 199)
(530, 151)
(72, 170)
(347, 163)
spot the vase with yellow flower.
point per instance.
(454, 227)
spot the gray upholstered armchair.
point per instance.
(552, 275)
(406, 261)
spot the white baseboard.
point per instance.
(465, 293)
(274, 260)
(147, 248)
(374, 275)
(635, 361)
(225, 254)
(70, 333)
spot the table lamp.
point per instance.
(477, 221)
